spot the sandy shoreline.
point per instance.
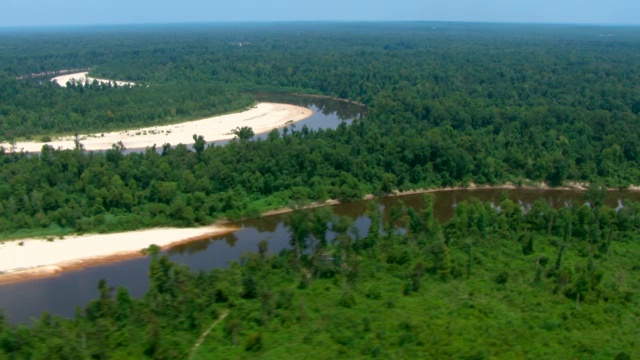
(40, 258)
(81, 78)
(262, 118)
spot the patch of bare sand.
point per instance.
(262, 118)
(82, 77)
(29, 258)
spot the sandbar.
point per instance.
(29, 258)
(81, 78)
(262, 118)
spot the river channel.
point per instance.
(60, 295)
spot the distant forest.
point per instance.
(448, 104)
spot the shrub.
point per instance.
(347, 300)
(254, 342)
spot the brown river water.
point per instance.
(60, 295)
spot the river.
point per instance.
(327, 113)
(61, 295)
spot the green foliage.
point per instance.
(254, 342)
(347, 300)
(243, 133)
(46, 109)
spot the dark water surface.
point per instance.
(62, 294)
(327, 113)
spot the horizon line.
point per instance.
(326, 21)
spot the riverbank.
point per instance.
(37, 258)
(262, 118)
(34, 258)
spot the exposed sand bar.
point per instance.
(39, 257)
(262, 118)
(81, 78)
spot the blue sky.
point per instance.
(83, 12)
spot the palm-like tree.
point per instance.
(243, 133)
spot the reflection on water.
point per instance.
(61, 295)
(343, 110)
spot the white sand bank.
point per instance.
(82, 77)
(37, 257)
(262, 118)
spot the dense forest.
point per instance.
(493, 281)
(448, 104)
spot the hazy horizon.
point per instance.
(275, 22)
(63, 13)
